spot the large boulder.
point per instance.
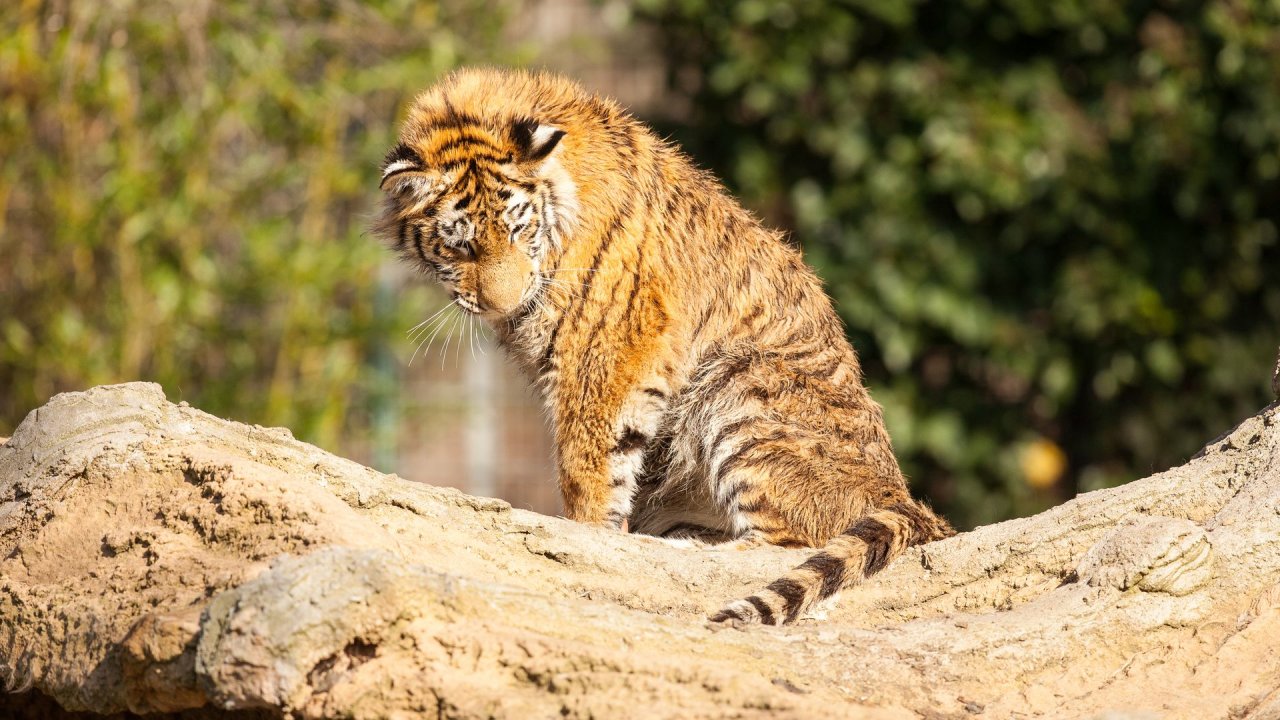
(156, 559)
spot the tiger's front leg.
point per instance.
(583, 442)
(601, 447)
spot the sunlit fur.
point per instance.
(698, 380)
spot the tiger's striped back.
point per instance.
(698, 379)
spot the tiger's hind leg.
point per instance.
(766, 451)
(766, 481)
(753, 509)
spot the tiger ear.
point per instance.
(535, 141)
(405, 163)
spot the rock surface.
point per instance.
(156, 559)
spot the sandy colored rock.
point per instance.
(158, 559)
(1155, 554)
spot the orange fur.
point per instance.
(698, 379)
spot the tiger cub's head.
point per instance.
(477, 208)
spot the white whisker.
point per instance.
(434, 323)
(444, 352)
(457, 351)
(414, 330)
(471, 335)
(427, 342)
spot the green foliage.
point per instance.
(184, 191)
(1046, 224)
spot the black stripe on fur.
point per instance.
(402, 152)
(923, 528)
(631, 439)
(792, 594)
(878, 538)
(831, 569)
(726, 614)
(766, 612)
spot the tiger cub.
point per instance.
(697, 378)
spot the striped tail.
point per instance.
(861, 551)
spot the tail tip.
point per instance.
(744, 612)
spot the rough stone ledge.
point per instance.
(156, 559)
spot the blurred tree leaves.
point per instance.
(184, 191)
(1051, 227)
